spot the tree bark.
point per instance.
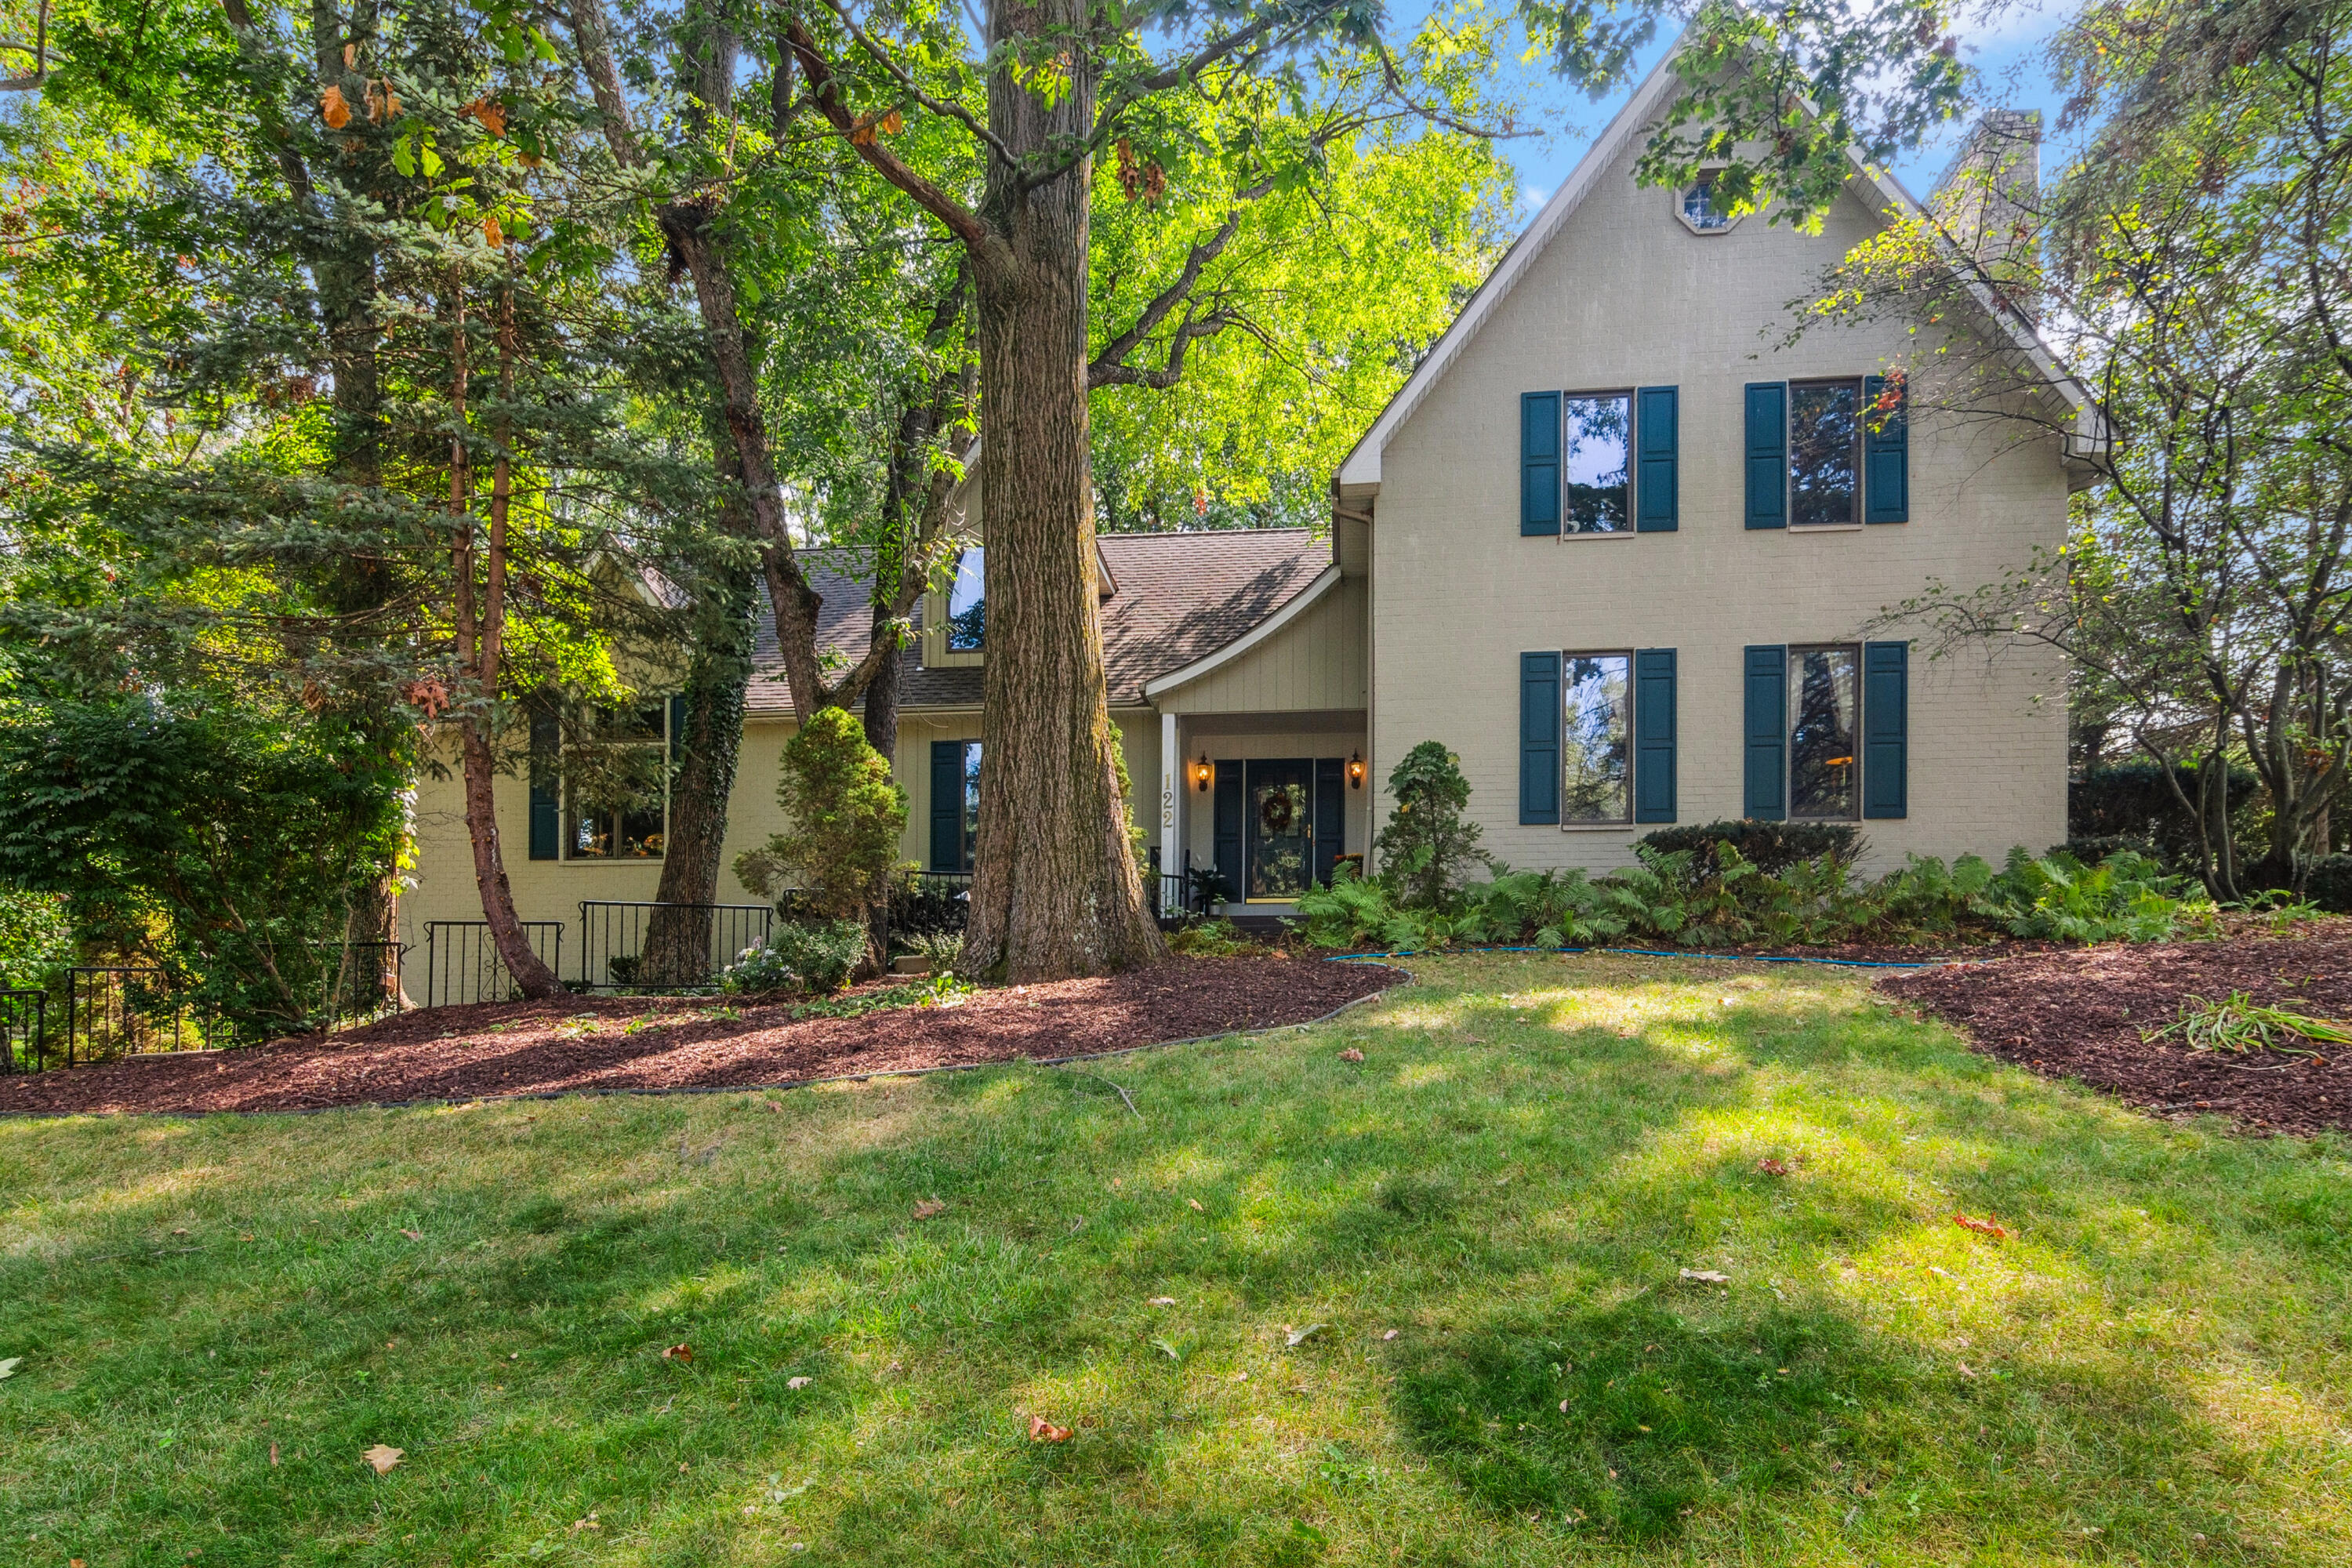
(1055, 892)
(479, 652)
(676, 949)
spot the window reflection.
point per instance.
(1599, 432)
(1824, 698)
(967, 604)
(1825, 448)
(1594, 788)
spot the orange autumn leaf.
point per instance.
(493, 232)
(1987, 1226)
(679, 1352)
(1044, 1431)
(1771, 1167)
(890, 123)
(490, 112)
(929, 1208)
(1352, 1055)
(333, 110)
(383, 1457)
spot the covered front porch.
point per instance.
(1257, 807)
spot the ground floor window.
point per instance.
(1825, 715)
(617, 784)
(1597, 695)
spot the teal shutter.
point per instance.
(1657, 424)
(1766, 794)
(1330, 814)
(1540, 719)
(1539, 462)
(1885, 730)
(1885, 454)
(546, 782)
(1768, 454)
(1231, 808)
(1653, 734)
(946, 806)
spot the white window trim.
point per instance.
(1679, 191)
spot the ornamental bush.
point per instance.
(1428, 846)
(817, 957)
(845, 814)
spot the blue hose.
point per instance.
(1650, 953)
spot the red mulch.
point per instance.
(512, 1048)
(2078, 1014)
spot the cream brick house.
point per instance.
(1608, 544)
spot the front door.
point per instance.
(1279, 805)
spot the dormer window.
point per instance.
(1703, 211)
(967, 617)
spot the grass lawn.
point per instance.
(1487, 1216)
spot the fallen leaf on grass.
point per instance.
(1044, 1431)
(414, 1234)
(1196, 1205)
(1164, 1348)
(383, 1457)
(1300, 1336)
(1985, 1227)
(1390, 1335)
(273, 1456)
(929, 1208)
(679, 1352)
(798, 1383)
(1352, 1055)
(1771, 1167)
(1162, 1302)
(1706, 1277)
(9, 1368)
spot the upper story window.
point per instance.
(967, 605)
(617, 785)
(1824, 453)
(1598, 441)
(1824, 713)
(1702, 208)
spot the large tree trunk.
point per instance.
(677, 949)
(1055, 891)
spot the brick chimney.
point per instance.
(1990, 201)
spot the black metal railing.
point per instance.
(613, 936)
(960, 881)
(121, 1010)
(24, 1029)
(360, 980)
(462, 964)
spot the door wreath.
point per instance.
(1277, 812)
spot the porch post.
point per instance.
(1172, 799)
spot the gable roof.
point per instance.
(1179, 597)
(1360, 470)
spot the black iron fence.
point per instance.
(120, 1010)
(462, 964)
(360, 980)
(665, 947)
(24, 1030)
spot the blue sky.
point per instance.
(2005, 47)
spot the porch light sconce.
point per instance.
(1202, 772)
(1356, 770)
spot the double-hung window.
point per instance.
(1824, 453)
(1597, 718)
(1824, 732)
(617, 784)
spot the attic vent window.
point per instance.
(1701, 213)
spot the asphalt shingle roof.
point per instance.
(1181, 597)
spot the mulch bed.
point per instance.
(514, 1047)
(2078, 1014)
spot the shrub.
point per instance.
(1210, 939)
(1771, 847)
(2126, 898)
(814, 957)
(846, 813)
(2132, 800)
(1428, 846)
(1352, 912)
(2330, 883)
